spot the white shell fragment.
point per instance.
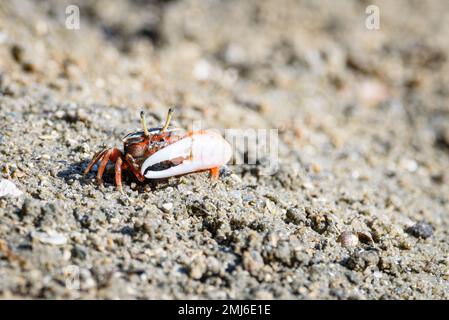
(50, 237)
(167, 206)
(9, 189)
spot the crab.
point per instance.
(164, 152)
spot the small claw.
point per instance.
(200, 150)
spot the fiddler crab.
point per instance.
(163, 152)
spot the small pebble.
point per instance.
(252, 261)
(9, 189)
(197, 268)
(348, 239)
(263, 295)
(405, 245)
(421, 230)
(308, 185)
(316, 168)
(85, 148)
(50, 237)
(271, 207)
(364, 237)
(202, 70)
(236, 194)
(361, 260)
(409, 164)
(166, 207)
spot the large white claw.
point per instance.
(201, 150)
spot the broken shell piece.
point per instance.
(50, 237)
(348, 239)
(9, 189)
(365, 238)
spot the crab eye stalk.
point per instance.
(167, 121)
(144, 124)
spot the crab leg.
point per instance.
(102, 166)
(133, 167)
(118, 174)
(94, 160)
(200, 150)
(214, 173)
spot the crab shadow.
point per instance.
(75, 171)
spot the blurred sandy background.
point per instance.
(363, 122)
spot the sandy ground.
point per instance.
(358, 208)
